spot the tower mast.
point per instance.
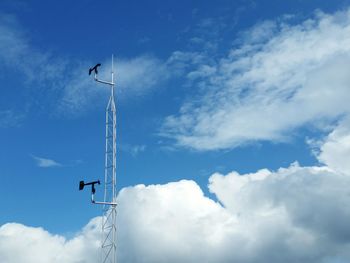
(109, 230)
(109, 216)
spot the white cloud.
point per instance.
(296, 214)
(45, 163)
(173, 222)
(335, 150)
(268, 87)
(19, 243)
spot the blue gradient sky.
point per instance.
(48, 49)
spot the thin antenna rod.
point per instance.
(112, 75)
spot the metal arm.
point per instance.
(82, 184)
(103, 81)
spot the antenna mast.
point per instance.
(109, 217)
(109, 229)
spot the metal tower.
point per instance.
(109, 246)
(109, 230)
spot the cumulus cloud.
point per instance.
(294, 214)
(19, 243)
(297, 214)
(335, 149)
(268, 86)
(174, 222)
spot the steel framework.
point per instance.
(109, 228)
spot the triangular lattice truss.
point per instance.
(109, 246)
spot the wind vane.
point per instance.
(94, 69)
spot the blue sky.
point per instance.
(204, 88)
